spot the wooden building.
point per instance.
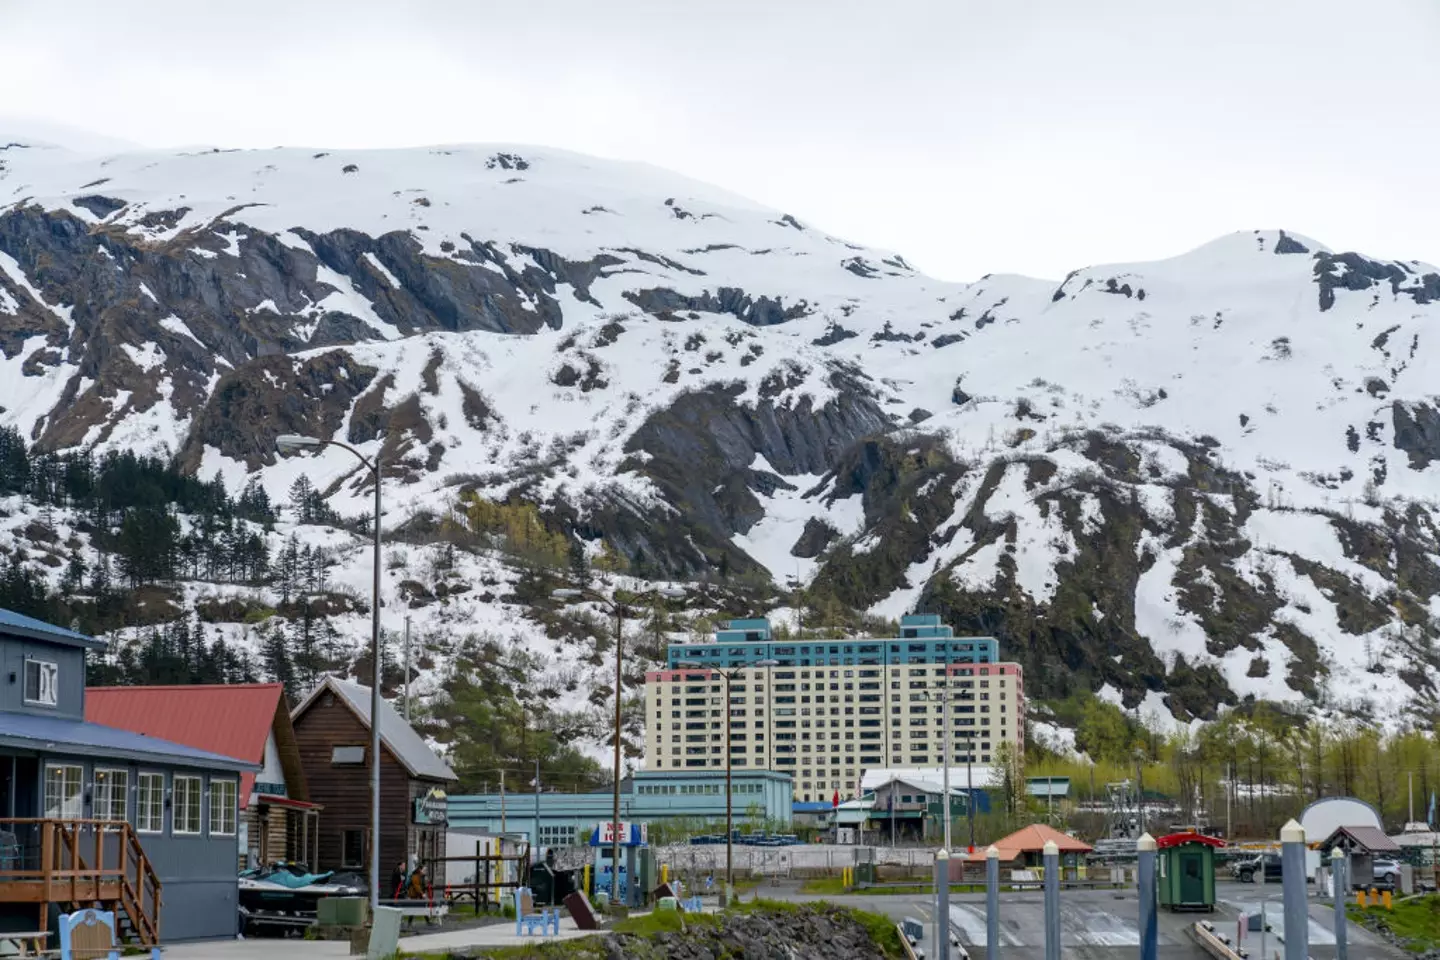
(249, 721)
(332, 730)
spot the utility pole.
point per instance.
(502, 800)
(1229, 785)
(407, 669)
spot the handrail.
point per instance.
(64, 875)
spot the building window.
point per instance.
(110, 794)
(185, 818)
(41, 683)
(224, 803)
(150, 803)
(347, 756)
(352, 848)
(63, 797)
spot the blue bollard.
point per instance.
(942, 904)
(1052, 900)
(992, 904)
(1145, 876)
(1340, 882)
(1292, 874)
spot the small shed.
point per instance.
(1187, 870)
(1025, 847)
(1361, 845)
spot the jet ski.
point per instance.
(286, 894)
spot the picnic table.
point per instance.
(30, 942)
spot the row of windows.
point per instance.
(690, 789)
(110, 799)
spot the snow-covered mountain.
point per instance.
(1178, 483)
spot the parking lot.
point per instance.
(1104, 924)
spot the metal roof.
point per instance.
(1048, 787)
(233, 720)
(1370, 839)
(29, 731)
(404, 744)
(1032, 839)
(17, 624)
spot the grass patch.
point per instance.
(1415, 920)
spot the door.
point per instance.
(1192, 877)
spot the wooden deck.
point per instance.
(77, 863)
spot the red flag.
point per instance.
(835, 801)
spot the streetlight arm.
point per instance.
(369, 464)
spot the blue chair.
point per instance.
(528, 922)
(90, 935)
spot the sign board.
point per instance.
(270, 789)
(631, 834)
(432, 809)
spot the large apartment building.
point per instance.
(825, 711)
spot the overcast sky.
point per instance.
(972, 136)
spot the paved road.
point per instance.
(1102, 924)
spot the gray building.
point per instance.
(146, 827)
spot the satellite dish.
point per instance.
(1324, 817)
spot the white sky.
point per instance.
(972, 136)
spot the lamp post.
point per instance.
(291, 443)
(729, 793)
(617, 609)
(944, 698)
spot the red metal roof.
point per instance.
(1188, 836)
(1032, 839)
(233, 720)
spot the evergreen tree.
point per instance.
(302, 499)
(287, 570)
(275, 655)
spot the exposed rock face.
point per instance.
(1417, 432)
(699, 451)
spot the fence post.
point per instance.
(1145, 876)
(1052, 900)
(992, 904)
(1292, 875)
(1340, 882)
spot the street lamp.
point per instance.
(291, 443)
(617, 608)
(944, 698)
(729, 795)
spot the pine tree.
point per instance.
(275, 655)
(302, 499)
(287, 570)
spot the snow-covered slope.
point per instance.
(1207, 477)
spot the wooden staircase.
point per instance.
(79, 864)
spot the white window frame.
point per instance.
(177, 817)
(104, 793)
(71, 807)
(39, 699)
(224, 817)
(145, 804)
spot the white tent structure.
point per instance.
(1323, 817)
